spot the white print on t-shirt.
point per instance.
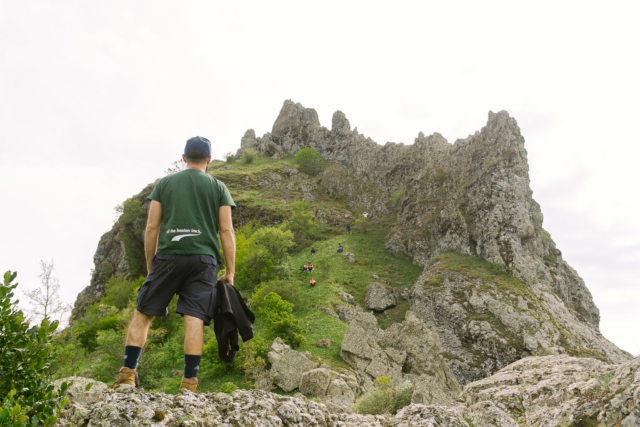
(189, 232)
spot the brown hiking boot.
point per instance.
(125, 376)
(190, 384)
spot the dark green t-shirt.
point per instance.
(190, 202)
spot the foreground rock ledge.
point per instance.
(536, 391)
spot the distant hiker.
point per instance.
(348, 228)
(310, 266)
(305, 268)
(339, 250)
(188, 211)
(312, 282)
(365, 214)
(313, 251)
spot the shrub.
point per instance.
(230, 157)
(268, 251)
(120, 292)
(288, 291)
(227, 388)
(384, 399)
(252, 360)
(249, 155)
(310, 161)
(302, 223)
(279, 321)
(26, 356)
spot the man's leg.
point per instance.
(136, 337)
(193, 343)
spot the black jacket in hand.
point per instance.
(231, 316)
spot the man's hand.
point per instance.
(153, 231)
(228, 278)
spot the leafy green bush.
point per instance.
(288, 291)
(279, 321)
(267, 253)
(302, 223)
(249, 155)
(227, 388)
(120, 291)
(310, 161)
(230, 157)
(252, 361)
(384, 399)
(26, 356)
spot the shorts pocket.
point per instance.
(210, 271)
(141, 294)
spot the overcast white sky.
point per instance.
(97, 99)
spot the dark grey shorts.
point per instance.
(192, 277)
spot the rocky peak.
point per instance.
(472, 196)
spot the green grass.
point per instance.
(333, 274)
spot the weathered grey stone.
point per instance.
(324, 343)
(535, 391)
(287, 365)
(346, 298)
(315, 382)
(327, 310)
(346, 313)
(379, 298)
(349, 257)
(339, 396)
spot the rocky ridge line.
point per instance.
(535, 391)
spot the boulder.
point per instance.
(78, 393)
(360, 342)
(287, 365)
(315, 382)
(379, 298)
(339, 396)
(346, 298)
(346, 313)
(349, 257)
(324, 343)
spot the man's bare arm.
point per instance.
(153, 230)
(228, 238)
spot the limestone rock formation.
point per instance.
(287, 365)
(406, 351)
(471, 197)
(535, 391)
(484, 324)
(379, 298)
(315, 382)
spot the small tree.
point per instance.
(279, 321)
(26, 356)
(177, 166)
(249, 155)
(45, 299)
(230, 157)
(302, 223)
(310, 161)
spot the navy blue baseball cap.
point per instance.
(198, 143)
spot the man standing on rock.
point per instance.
(189, 210)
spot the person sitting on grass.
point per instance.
(339, 250)
(312, 282)
(310, 267)
(313, 251)
(305, 268)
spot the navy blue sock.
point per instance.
(191, 365)
(131, 356)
